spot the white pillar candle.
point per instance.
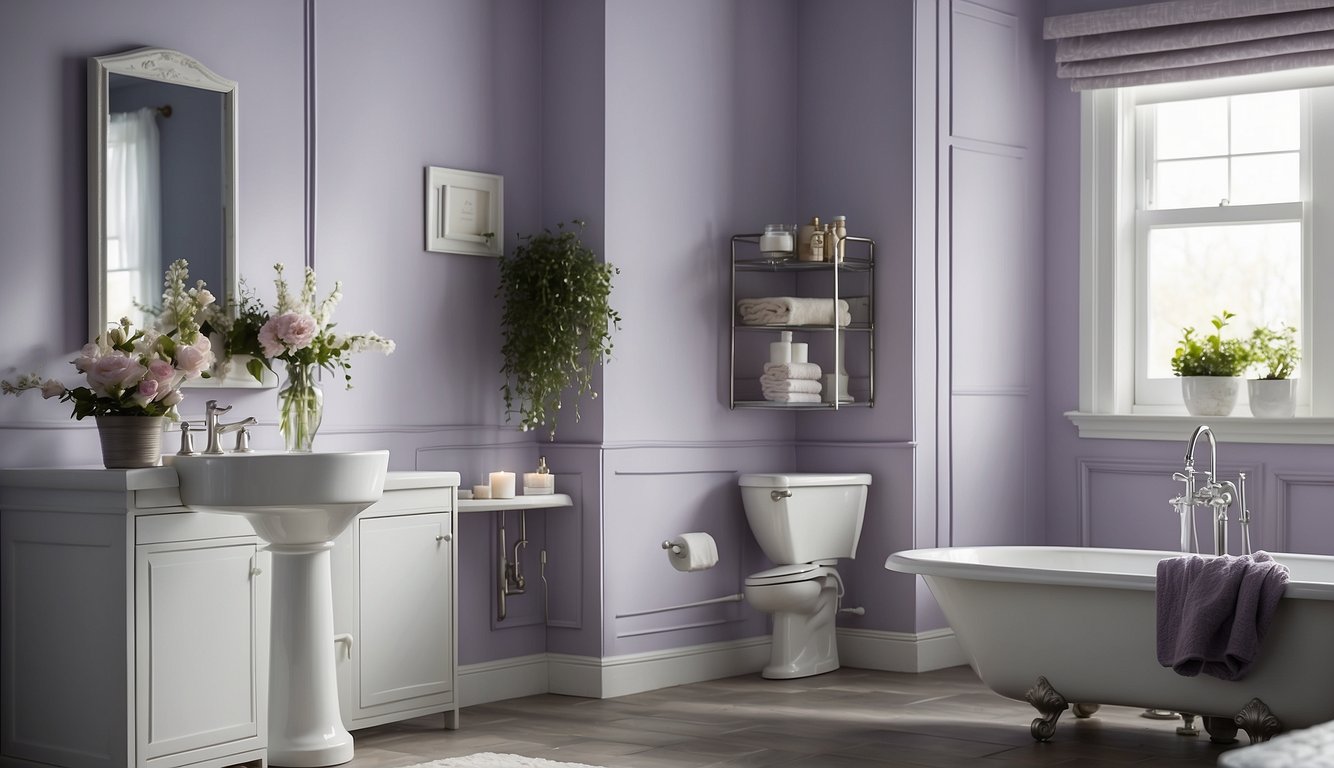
(502, 485)
(481, 491)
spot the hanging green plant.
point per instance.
(557, 322)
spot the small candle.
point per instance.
(481, 491)
(502, 485)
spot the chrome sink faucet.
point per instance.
(1214, 495)
(214, 429)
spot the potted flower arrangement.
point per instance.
(1209, 368)
(299, 332)
(1276, 352)
(133, 376)
(556, 322)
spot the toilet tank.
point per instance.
(801, 518)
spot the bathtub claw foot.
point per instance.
(1221, 730)
(1187, 727)
(1257, 721)
(1084, 710)
(1050, 704)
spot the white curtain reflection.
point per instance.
(134, 262)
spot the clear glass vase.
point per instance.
(300, 407)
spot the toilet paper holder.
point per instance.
(675, 549)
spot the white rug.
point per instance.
(494, 760)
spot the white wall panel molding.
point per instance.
(502, 679)
(695, 445)
(985, 91)
(899, 651)
(1281, 524)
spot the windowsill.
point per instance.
(1305, 430)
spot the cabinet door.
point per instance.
(198, 617)
(405, 616)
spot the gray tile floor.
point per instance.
(847, 718)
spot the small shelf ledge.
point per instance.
(545, 501)
(759, 404)
(1299, 430)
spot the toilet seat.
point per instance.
(786, 574)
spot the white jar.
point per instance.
(777, 238)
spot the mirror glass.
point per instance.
(162, 183)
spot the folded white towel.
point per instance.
(791, 397)
(782, 371)
(779, 386)
(789, 310)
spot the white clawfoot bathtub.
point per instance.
(1084, 619)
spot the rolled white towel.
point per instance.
(790, 310)
(791, 397)
(782, 371)
(779, 386)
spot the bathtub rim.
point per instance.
(938, 561)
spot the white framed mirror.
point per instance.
(161, 180)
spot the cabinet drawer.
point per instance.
(189, 526)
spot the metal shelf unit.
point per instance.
(859, 259)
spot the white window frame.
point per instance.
(1109, 281)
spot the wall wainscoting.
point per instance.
(636, 673)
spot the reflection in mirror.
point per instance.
(162, 185)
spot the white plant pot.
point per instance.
(1210, 395)
(1272, 398)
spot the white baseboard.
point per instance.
(899, 651)
(635, 673)
(502, 679)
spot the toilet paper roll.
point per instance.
(693, 552)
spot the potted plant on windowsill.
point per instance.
(557, 323)
(1274, 395)
(1210, 369)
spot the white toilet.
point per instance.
(804, 523)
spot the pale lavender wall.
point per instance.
(1114, 492)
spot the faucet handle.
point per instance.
(243, 441)
(187, 440)
(212, 407)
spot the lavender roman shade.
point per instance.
(1190, 40)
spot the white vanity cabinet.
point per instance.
(133, 631)
(394, 586)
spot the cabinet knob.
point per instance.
(444, 537)
(255, 570)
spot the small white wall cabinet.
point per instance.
(133, 632)
(394, 585)
(833, 347)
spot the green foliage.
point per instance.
(1275, 351)
(557, 323)
(1213, 355)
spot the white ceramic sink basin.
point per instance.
(289, 498)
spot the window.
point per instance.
(1200, 197)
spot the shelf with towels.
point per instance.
(753, 275)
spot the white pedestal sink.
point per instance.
(299, 503)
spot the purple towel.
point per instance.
(1214, 611)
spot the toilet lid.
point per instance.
(783, 574)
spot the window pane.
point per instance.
(1190, 183)
(1266, 179)
(1266, 122)
(1195, 128)
(1254, 270)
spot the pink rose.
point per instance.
(114, 374)
(288, 332)
(52, 388)
(191, 361)
(87, 356)
(147, 390)
(160, 371)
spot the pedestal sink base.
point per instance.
(305, 727)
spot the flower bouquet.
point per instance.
(131, 372)
(299, 333)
